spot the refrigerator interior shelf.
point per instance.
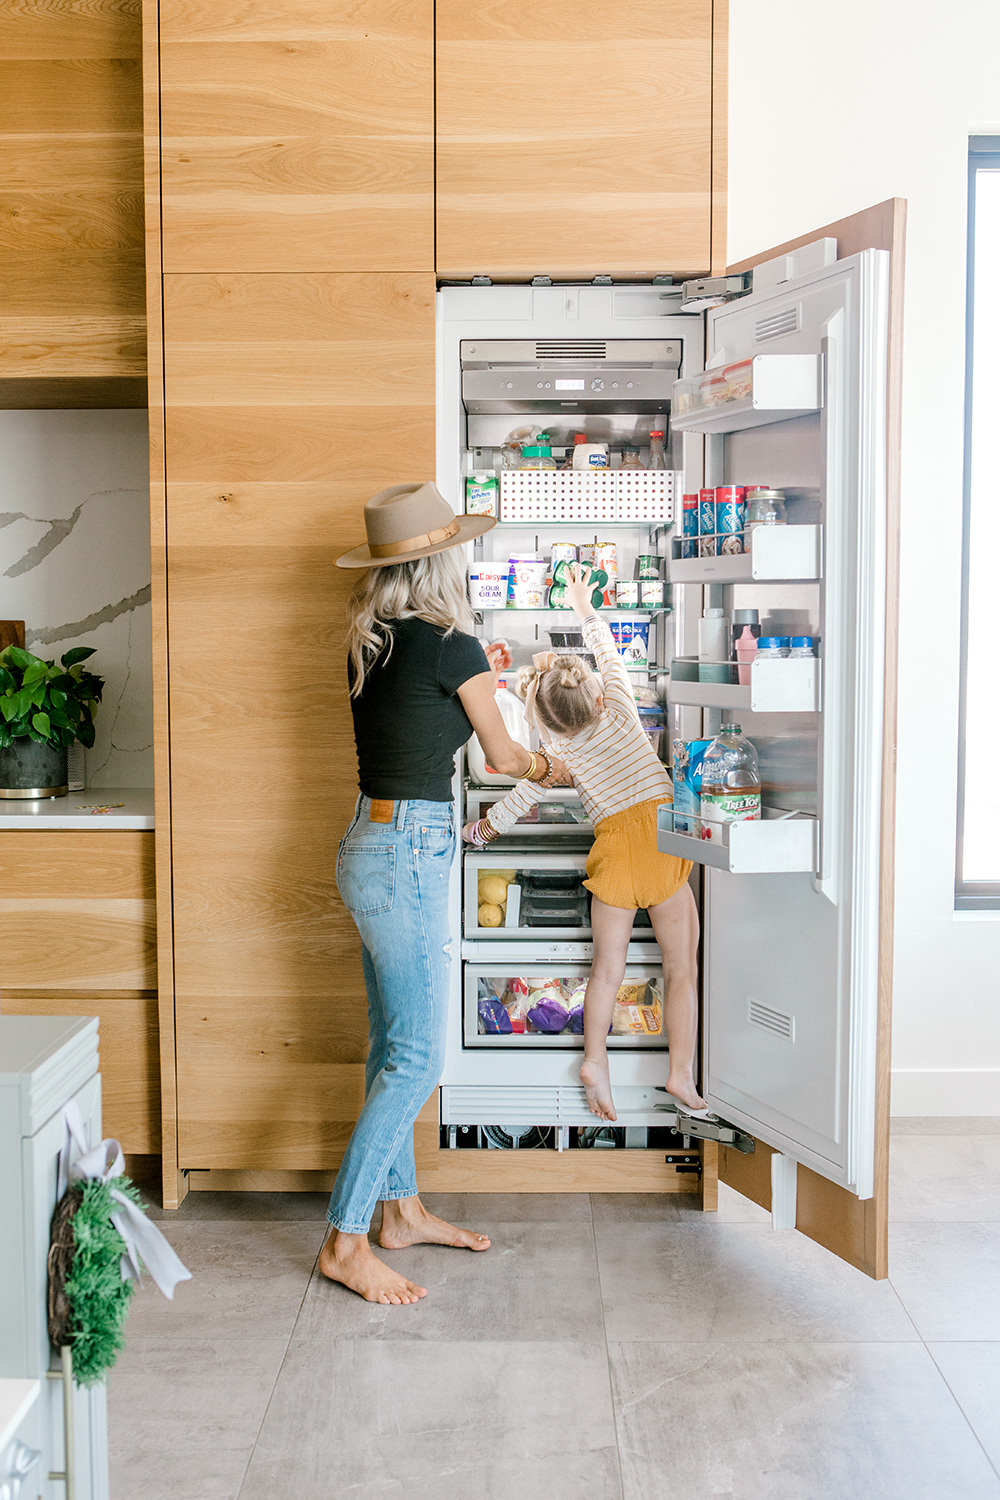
(750, 393)
(777, 685)
(567, 614)
(778, 843)
(779, 554)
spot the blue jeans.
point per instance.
(393, 878)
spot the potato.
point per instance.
(505, 875)
(492, 889)
(490, 915)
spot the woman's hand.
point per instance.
(499, 657)
(580, 589)
(559, 773)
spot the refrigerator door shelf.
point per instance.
(778, 685)
(781, 386)
(779, 554)
(777, 844)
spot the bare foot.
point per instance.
(682, 1087)
(349, 1259)
(405, 1221)
(596, 1079)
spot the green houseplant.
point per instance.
(43, 709)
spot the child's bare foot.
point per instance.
(349, 1259)
(596, 1079)
(405, 1221)
(681, 1086)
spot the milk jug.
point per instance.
(512, 713)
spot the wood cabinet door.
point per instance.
(574, 139)
(297, 137)
(290, 400)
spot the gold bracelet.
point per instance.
(529, 774)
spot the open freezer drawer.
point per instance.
(541, 1004)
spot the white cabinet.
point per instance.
(45, 1061)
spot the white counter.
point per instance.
(16, 1399)
(76, 810)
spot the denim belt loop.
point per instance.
(400, 816)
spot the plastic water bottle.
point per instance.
(730, 782)
(802, 645)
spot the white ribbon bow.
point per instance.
(144, 1243)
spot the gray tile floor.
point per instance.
(606, 1348)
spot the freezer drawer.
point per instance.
(524, 1005)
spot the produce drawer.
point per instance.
(521, 1005)
(522, 895)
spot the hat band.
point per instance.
(414, 543)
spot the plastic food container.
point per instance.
(526, 583)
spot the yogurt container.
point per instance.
(526, 579)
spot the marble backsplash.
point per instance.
(74, 564)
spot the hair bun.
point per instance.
(573, 672)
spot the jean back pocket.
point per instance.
(365, 877)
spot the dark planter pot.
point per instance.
(29, 770)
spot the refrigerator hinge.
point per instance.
(713, 291)
(710, 1130)
(481, 281)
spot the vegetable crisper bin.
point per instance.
(520, 1005)
(532, 896)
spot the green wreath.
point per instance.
(88, 1300)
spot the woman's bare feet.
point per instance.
(405, 1221)
(682, 1086)
(596, 1079)
(349, 1259)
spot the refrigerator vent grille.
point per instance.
(506, 1104)
(769, 1019)
(777, 325)
(571, 349)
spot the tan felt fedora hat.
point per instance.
(408, 521)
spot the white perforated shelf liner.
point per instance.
(610, 495)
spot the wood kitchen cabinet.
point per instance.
(288, 401)
(297, 137)
(576, 139)
(72, 287)
(78, 938)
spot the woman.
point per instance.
(420, 685)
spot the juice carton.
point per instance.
(688, 756)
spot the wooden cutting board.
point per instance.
(11, 633)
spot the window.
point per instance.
(978, 883)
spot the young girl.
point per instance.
(596, 731)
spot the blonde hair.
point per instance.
(566, 694)
(430, 588)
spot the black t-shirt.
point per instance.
(408, 718)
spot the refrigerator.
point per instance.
(775, 377)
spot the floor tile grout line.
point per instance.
(291, 1334)
(965, 1416)
(607, 1354)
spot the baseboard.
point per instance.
(946, 1091)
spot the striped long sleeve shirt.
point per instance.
(613, 763)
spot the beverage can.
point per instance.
(649, 565)
(706, 515)
(626, 593)
(651, 594)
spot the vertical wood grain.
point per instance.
(720, 134)
(574, 140)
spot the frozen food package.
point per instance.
(548, 1012)
(494, 1019)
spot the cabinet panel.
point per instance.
(289, 401)
(573, 140)
(297, 139)
(72, 328)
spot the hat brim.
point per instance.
(469, 527)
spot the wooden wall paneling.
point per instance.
(77, 910)
(71, 254)
(573, 140)
(173, 1181)
(720, 134)
(130, 1070)
(290, 400)
(298, 138)
(858, 1229)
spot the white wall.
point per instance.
(833, 109)
(74, 564)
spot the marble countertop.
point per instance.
(16, 1399)
(76, 810)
